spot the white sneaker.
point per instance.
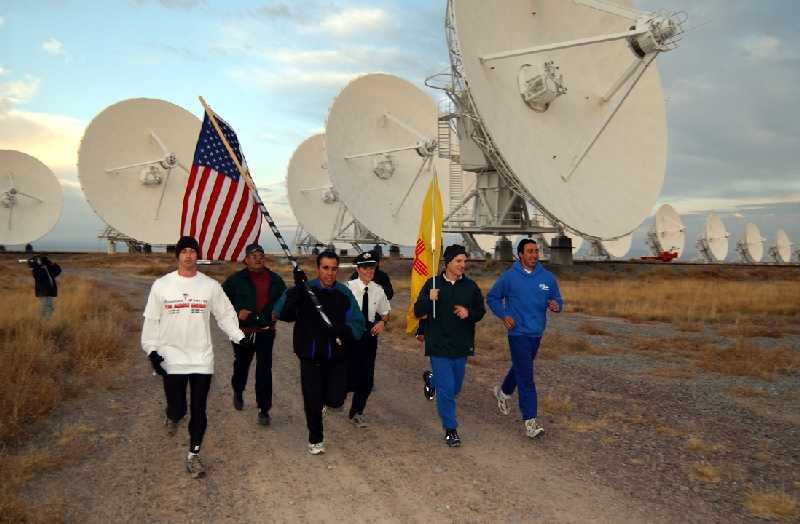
(316, 449)
(502, 400)
(359, 421)
(532, 428)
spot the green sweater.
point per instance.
(447, 335)
(242, 294)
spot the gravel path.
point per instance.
(619, 454)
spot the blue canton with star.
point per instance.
(211, 152)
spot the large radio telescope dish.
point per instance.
(314, 201)
(381, 142)
(618, 248)
(668, 231)
(31, 199)
(751, 247)
(783, 246)
(716, 237)
(579, 156)
(133, 165)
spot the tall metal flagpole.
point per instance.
(275, 231)
(434, 260)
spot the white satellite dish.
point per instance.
(781, 252)
(381, 139)
(667, 233)
(133, 165)
(315, 202)
(712, 245)
(751, 246)
(608, 249)
(571, 145)
(31, 198)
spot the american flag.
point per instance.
(219, 210)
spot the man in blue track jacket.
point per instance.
(521, 298)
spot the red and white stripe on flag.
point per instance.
(221, 213)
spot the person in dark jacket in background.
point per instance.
(450, 332)
(381, 277)
(44, 273)
(321, 349)
(254, 291)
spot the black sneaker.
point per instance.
(452, 439)
(238, 400)
(264, 418)
(428, 390)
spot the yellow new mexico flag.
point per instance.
(427, 249)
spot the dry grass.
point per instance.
(746, 392)
(42, 362)
(776, 505)
(677, 373)
(688, 301)
(704, 472)
(555, 404)
(698, 445)
(748, 359)
(592, 329)
(586, 426)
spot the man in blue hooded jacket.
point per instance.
(521, 298)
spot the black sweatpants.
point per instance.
(243, 356)
(324, 383)
(175, 391)
(361, 370)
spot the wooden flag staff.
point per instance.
(275, 231)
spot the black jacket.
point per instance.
(44, 275)
(382, 279)
(447, 335)
(311, 338)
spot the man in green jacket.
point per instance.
(253, 291)
(450, 332)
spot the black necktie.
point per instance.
(365, 304)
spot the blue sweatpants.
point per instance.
(523, 353)
(448, 376)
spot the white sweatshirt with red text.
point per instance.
(177, 322)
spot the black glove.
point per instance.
(299, 276)
(248, 342)
(156, 360)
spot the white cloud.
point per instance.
(4, 71)
(53, 47)
(294, 78)
(699, 205)
(765, 48)
(53, 139)
(356, 20)
(2, 21)
(17, 91)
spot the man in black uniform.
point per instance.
(253, 291)
(321, 349)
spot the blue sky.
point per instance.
(272, 69)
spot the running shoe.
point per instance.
(195, 466)
(502, 400)
(172, 427)
(316, 449)
(263, 418)
(452, 439)
(359, 420)
(429, 390)
(533, 429)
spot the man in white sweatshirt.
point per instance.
(177, 339)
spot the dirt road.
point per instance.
(398, 469)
